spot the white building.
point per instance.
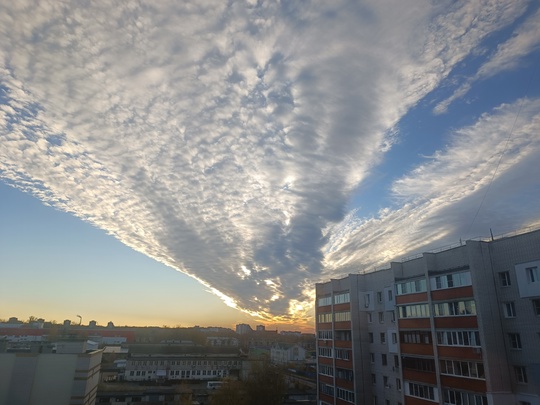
(69, 376)
(182, 367)
(285, 354)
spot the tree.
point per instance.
(266, 384)
(31, 319)
(230, 393)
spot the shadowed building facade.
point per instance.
(69, 376)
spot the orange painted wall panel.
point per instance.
(417, 401)
(465, 384)
(343, 343)
(326, 379)
(414, 323)
(342, 307)
(406, 299)
(420, 376)
(452, 293)
(456, 322)
(414, 348)
(456, 352)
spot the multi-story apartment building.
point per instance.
(457, 326)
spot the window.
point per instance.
(536, 306)
(326, 389)
(345, 335)
(458, 338)
(420, 391)
(411, 287)
(381, 317)
(325, 317)
(372, 357)
(379, 296)
(521, 374)
(373, 378)
(396, 361)
(369, 317)
(419, 364)
(367, 300)
(342, 316)
(532, 274)
(326, 370)
(324, 335)
(383, 337)
(398, 384)
(414, 311)
(394, 337)
(415, 336)
(370, 336)
(342, 298)
(346, 395)
(325, 351)
(451, 280)
(504, 278)
(452, 397)
(455, 308)
(343, 354)
(390, 295)
(385, 381)
(392, 316)
(462, 368)
(344, 374)
(326, 300)
(509, 309)
(384, 359)
(515, 340)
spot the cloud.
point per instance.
(224, 140)
(509, 54)
(437, 201)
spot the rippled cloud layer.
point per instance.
(226, 140)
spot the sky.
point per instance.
(207, 162)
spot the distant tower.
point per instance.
(110, 324)
(260, 328)
(67, 323)
(92, 324)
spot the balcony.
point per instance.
(428, 377)
(456, 322)
(417, 348)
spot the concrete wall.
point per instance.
(48, 379)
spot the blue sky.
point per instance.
(255, 147)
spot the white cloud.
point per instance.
(508, 56)
(438, 200)
(222, 138)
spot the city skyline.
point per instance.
(257, 148)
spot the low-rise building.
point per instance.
(151, 367)
(38, 376)
(287, 353)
